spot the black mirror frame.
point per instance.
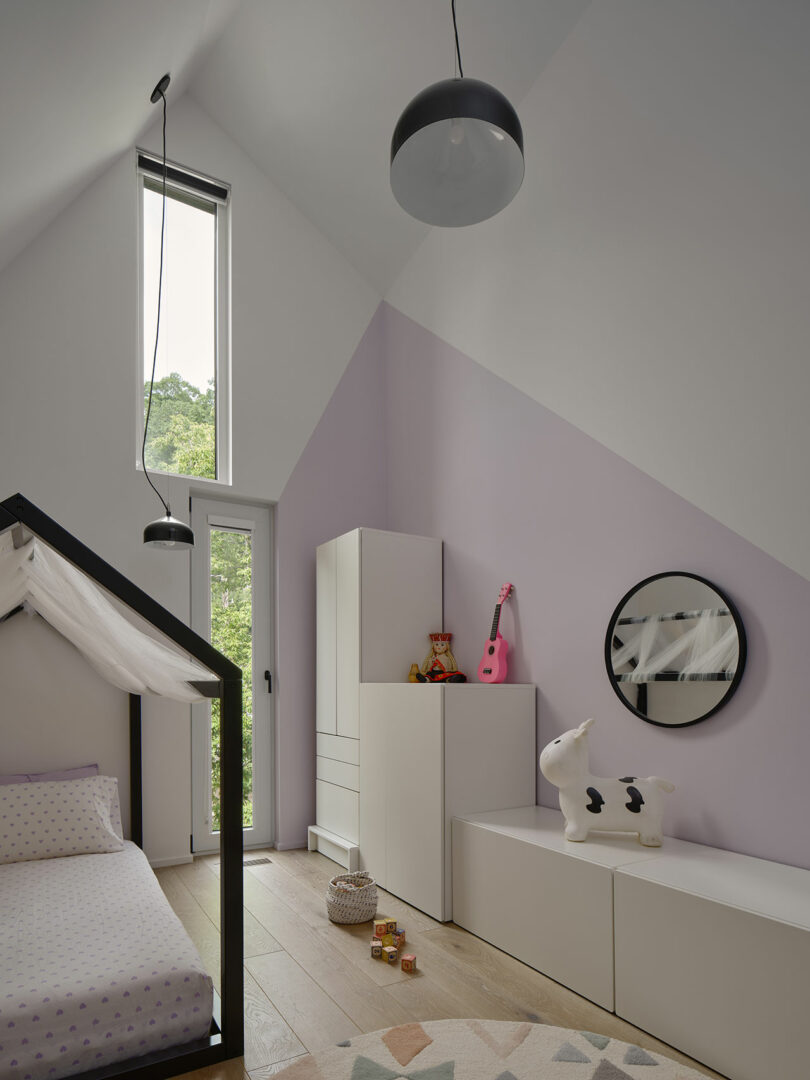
(743, 647)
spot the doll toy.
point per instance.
(440, 665)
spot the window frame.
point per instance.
(200, 188)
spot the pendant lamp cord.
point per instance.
(157, 325)
(455, 31)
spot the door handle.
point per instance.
(269, 678)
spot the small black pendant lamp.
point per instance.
(168, 531)
(457, 151)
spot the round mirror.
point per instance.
(675, 649)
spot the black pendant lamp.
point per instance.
(457, 151)
(167, 531)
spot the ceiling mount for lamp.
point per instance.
(167, 531)
(160, 89)
(457, 152)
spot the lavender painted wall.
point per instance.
(520, 495)
(338, 484)
(421, 439)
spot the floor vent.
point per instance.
(255, 862)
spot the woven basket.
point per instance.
(352, 905)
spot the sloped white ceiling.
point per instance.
(649, 282)
(75, 80)
(312, 91)
(309, 89)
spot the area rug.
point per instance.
(485, 1050)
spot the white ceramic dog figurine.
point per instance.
(593, 803)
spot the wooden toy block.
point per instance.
(390, 954)
(388, 939)
(392, 925)
(408, 962)
(380, 927)
(376, 948)
(399, 938)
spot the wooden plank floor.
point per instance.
(310, 983)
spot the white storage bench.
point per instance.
(707, 950)
(518, 883)
(713, 956)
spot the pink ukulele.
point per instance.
(493, 663)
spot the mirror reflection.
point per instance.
(675, 649)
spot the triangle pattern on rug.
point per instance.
(366, 1069)
(567, 1052)
(502, 1047)
(406, 1041)
(606, 1070)
(506, 1076)
(636, 1056)
(305, 1068)
(599, 1041)
(435, 1072)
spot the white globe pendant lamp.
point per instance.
(457, 151)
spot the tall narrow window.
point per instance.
(189, 422)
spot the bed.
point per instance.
(96, 967)
(98, 978)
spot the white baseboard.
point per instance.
(177, 860)
(293, 845)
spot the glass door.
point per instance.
(231, 606)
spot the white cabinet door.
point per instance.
(490, 755)
(415, 787)
(400, 602)
(429, 752)
(375, 751)
(552, 910)
(347, 645)
(402, 790)
(325, 636)
(725, 940)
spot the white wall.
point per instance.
(43, 677)
(68, 325)
(649, 283)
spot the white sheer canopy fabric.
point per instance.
(41, 580)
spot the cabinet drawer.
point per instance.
(336, 809)
(338, 748)
(337, 772)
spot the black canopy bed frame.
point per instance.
(226, 1037)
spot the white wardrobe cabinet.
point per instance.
(379, 596)
(429, 752)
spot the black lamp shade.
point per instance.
(168, 532)
(457, 153)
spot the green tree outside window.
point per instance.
(182, 427)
